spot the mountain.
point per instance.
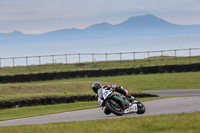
(146, 25)
(145, 22)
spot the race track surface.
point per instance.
(155, 107)
(179, 92)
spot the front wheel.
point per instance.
(141, 108)
(114, 107)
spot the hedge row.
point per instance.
(98, 73)
(55, 100)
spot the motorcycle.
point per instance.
(118, 104)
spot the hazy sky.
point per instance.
(39, 16)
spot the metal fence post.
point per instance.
(13, 61)
(175, 53)
(162, 53)
(79, 58)
(120, 56)
(39, 60)
(66, 58)
(148, 55)
(93, 57)
(162, 56)
(190, 52)
(52, 59)
(26, 61)
(134, 56)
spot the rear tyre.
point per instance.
(114, 107)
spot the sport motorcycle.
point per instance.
(119, 104)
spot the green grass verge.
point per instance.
(14, 113)
(81, 86)
(99, 65)
(173, 123)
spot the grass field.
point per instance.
(172, 123)
(81, 86)
(99, 65)
(14, 113)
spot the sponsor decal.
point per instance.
(131, 109)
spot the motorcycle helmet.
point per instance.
(96, 86)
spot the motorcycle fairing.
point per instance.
(132, 108)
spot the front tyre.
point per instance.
(141, 108)
(114, 107)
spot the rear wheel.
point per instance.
(114, 107)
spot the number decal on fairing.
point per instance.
(105, 93)
(100, 101)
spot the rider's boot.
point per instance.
(106, 111)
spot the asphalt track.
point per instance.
(178, 92)
(155, 107)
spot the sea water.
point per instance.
(95, 50)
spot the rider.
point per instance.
(97, 85)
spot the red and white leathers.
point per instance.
(119, 89)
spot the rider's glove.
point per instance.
(127, 94)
